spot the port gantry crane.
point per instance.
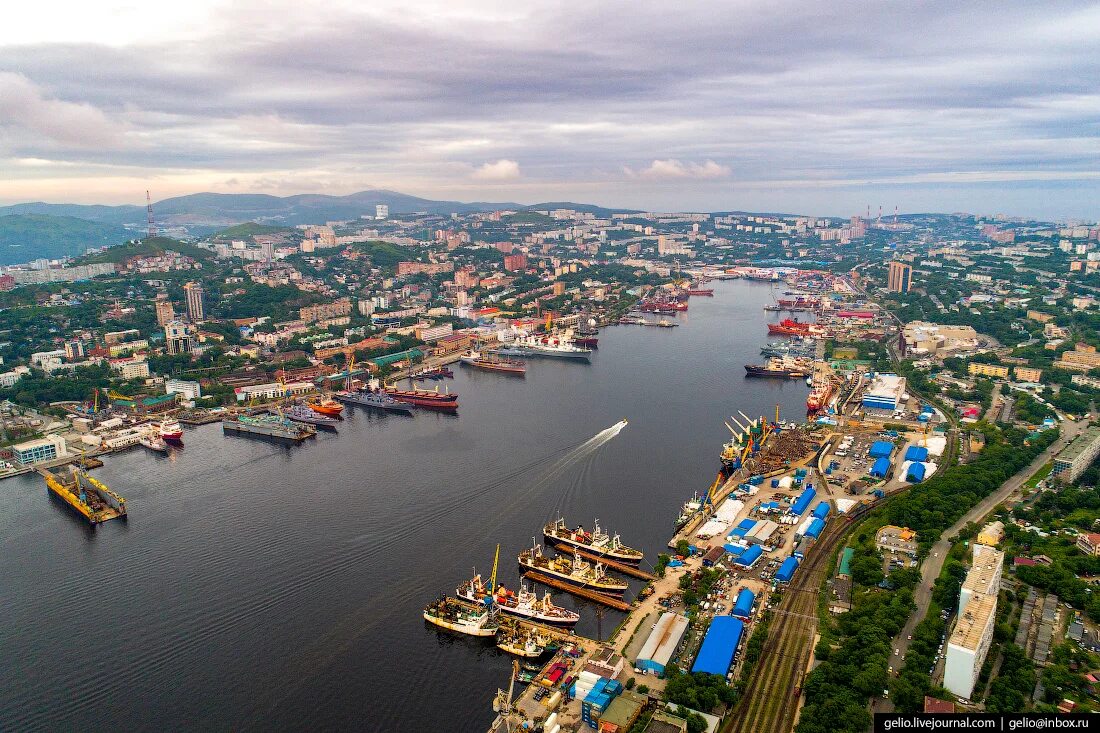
(509, 715)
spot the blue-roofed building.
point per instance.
(802, 503)
(786, 570)
(742, 607)
(915, 474)
(880, 468)
(916, 453)
(734, 550)
(749, 557)
(814, 530)
(880, 449)
(719, 646)
(821, 510)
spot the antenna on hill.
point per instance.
(149, 214)
(895, 214)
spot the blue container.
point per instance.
(775, 483)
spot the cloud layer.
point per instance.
(752, 104)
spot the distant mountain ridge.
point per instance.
(27, 237)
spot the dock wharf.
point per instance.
(610, 564)
(588, 594)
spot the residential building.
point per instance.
(1077, 456)
(428, 268)
(1028, 374)
(987, 370)
(1083, 358)
(992, 534)
(8, 379)
(984, 576)
(895, 539)
(969, 644)
(195, 308)
(322, 311)
(188, 390)
(37, 451)
(1089, 543)
(179, 337)
(515, 262)
(166, 312)
(429, 333)
(381, 211)
(899, 277)
(74, 350)
(131, 368)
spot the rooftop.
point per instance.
(972, 624)
(987, 563)
(1078, 446)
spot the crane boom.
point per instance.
(493, 579)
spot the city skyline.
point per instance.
(749, 107)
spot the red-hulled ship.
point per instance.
(587, 339)
(662, 306)
(793, 327)
(799, 302)
(424, 398)
(701, 291)
(819, 396)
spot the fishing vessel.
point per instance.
(465, 618)
(86, 496)
(327, 406)
(308, 416)
(572, 571)
(552, 346)
(523, 603)
(690, 508)
(779, 366)
(375, 400)
(596, 542)
(432, 400)
(522, 642)
(153, 442)
(493, 363)
(270, 426)
(171, 431)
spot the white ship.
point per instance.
(555, 345)
(522, 603)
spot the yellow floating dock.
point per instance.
(86, 496)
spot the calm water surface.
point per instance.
(261, 587)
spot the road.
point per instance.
(933, 564)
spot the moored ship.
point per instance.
(152, 441)
(461, 616)
(493, 363)
(794, 327)
(573, 571)
(86, 496)
(522, 603)
(270, 426)
(596, 542)
(432, 400)
(781, 367)
(375, 400)
(690, 508)
(547, 345)
(171, 431)
(522, 642)
(308, 416)
(820, 395)
(328, 407)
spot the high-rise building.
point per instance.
(900, 277)
(195, 310)
(381, 211)
(177, 336)
(165, 311)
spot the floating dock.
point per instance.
(591, 595)
(610, 564)
(84, 495)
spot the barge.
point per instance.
(268, 426)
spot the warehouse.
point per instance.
(762, 533)
(786, 570)
(916, 453)
(885, 393)
(915, 473)
(742, 607)
(881, 449)
(719, 646)
(802, 503)
(821, 511)
(881, 468)
(662, 643)
(815, 528)
(749, 557)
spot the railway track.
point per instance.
(770, 700)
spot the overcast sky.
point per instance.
(810, 107)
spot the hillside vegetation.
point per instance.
(148, 246)
(26, 237)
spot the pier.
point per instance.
(588, 594)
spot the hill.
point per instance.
(147, 246)
(599, 211)
(248, 229)
(26, 237)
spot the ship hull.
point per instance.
(431, 401)
(753, 370)
(390, 406)
(516, 368)
(461, 627)
(610, 590)
(527, 614)
(552, 354)
(610, 555)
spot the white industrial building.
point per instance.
(662, 643)
(884, 393)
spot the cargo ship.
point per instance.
(432, 400)
(522, 603)
(596, 542)
(171, 431)
(798, 303)
(327, 407)
(573, 571)
(308, 416)
(690, 508)
(493, 363)
(587, 338)
(270, 426)
(781, 367)
(436, 374)
(375, 400)
(548, 346)
(86, 496)
(794, 327)
(661, 306)
(465, 618)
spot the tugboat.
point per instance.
(596, 542)
(574, 572)
(465, 618)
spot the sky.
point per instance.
(801, 107)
